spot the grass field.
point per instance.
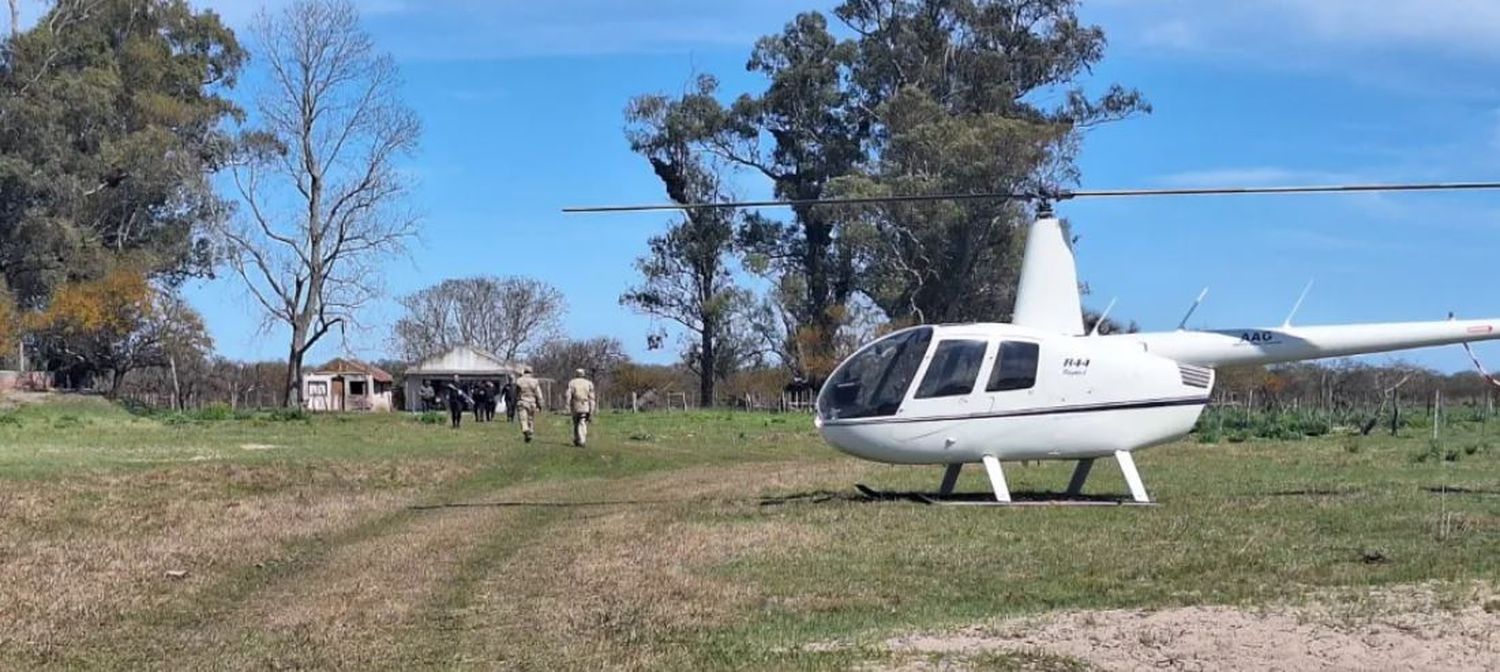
(675, 541)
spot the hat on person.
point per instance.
(581, 373)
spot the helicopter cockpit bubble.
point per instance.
(873, 382)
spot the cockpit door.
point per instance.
(949, 380)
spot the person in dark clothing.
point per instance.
(509, 394)
(491, 394)
(457, 400)
(481, 401)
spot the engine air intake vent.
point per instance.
(1196, 376)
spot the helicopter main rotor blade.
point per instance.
(852, 200)
(1308, 189)
(1049, 196)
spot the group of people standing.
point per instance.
(522, 398)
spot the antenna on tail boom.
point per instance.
(1102, 317)
(1194, 308)
(1297, 306)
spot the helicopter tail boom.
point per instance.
(1292, 344)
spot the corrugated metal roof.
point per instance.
(341, 365)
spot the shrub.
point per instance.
(137, 408)
(288, 415)
(1312, 425)
(1352, 445)
(1434, 452)
(176, 419)
(214, 413)
(431, 418)
(68, 421)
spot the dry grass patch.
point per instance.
(367, 602)
(76, 557)
(623, 587)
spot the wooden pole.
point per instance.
(1395, 412)
(1437, 412)
(176, 385)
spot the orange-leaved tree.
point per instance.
(116, 324)
(10, 327)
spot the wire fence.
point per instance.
(666, 401)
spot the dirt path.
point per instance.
(475, 578)
(1400, 630)
(613, 587)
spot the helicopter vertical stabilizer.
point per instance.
(1047, 295)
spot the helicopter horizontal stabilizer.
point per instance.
(1047, 295)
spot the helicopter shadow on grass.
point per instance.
(862, 495)
(866, 495)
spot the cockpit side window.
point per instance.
(1016, 368)
(954, 369)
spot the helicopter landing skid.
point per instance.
(1039, 499)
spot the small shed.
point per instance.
(470, 364)
(347, 385)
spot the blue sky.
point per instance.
(522, 105)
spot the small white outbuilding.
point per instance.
(347, 385)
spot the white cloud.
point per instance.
(478, 29)
(1319, 241)
(1495, 130)
(1457, 25)
(1254, 176)
(1172, 34)
(1450, 26)
(239, 13)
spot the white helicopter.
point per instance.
(1040, 387)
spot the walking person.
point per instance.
(529, 401)
(508, 395)
(481, 397)
(581, 404)
(428, 397)
(491, 399)
(457, 400)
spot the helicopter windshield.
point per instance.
(874, 381)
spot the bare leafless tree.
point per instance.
(319, 185)
(509, 317)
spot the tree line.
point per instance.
(127, 168)
(116, 121)
(882, 98)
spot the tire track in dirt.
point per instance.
(613, 586)
(363, 603)
(448, 584)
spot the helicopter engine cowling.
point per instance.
(956, 393)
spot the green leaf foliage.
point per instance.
(110, 127)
